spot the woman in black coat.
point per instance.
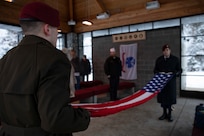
(167, 63)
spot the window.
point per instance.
(100, 33)
(12, 35)
(141, 27)
(60, 41)
(192, 54)
(9, 38)
(166, 23)
(87, 50)
(118, 30)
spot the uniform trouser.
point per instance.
(114, 82)
(8, 130)
(77, 85)
(83, 77)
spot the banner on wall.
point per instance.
(128, 55)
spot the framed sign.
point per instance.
(129, 37)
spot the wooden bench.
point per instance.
(99, 89)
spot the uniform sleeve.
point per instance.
(120, 63)
(89, 67)
(178, 68)
(106, 67)
(156, 70)
(57, 116)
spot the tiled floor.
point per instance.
(143, 121)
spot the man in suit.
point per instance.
(113, 68)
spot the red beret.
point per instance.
(40, 12)
(165, 46)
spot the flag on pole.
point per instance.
(128, 55)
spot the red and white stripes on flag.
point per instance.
(152, 88)
(128, 56)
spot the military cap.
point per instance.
(38, 11)
(112, 49)
(165, 46)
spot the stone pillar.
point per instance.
(72, 42)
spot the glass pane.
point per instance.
(100, 33)
(193, 64)
(193, 19)
(192, 82)
(87, 41)
(192, 29)
(60, 41)
(87, 50)
(192, 45)
(166, 23)
(118, 30)
(9, 38)
(140, 27)
(192, 50)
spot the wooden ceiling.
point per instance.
(122, 12)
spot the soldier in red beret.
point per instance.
(34, 79)
(167, 64)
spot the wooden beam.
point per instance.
(167, 11)
(71, 9)
(101, 5)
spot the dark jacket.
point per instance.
(113, 66)
(85, 67)
(76, 64)
(167, 95)
(34, 96)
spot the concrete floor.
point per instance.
(143, 120)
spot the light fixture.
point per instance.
(87, 21)
(152, 5)
(9, 0)
(103, 15)
(71, 22)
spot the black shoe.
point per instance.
(164, 116)
(170, 119)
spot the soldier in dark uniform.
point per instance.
(76, 64)
(85, 68)
(168, 64)
(113, 68)
(34, 81)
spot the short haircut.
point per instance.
(30, 26)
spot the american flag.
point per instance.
(158, 82)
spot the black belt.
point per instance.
(20, 131)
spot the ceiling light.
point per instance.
(9, 0)
(86, 22)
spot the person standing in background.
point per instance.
(85, 68)
(113, 68)
(76, 64)
(167, 64)
(34, 81)
(72, 77)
